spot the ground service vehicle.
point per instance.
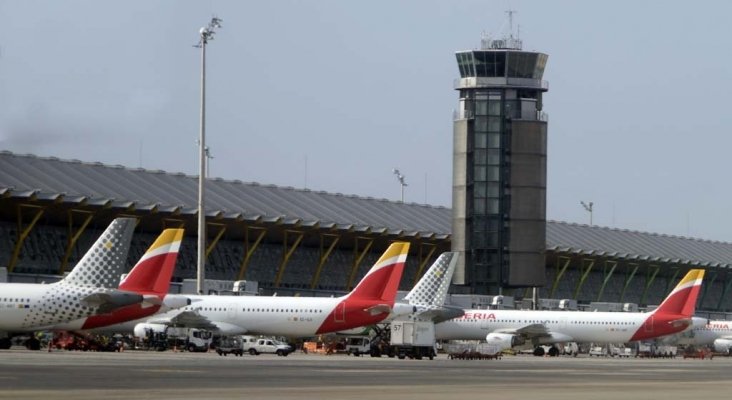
(413, 339)
(230, 345)
(271, 346)
(358, 345)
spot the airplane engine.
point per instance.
(504, 340)
(723, 345)
(142, 329)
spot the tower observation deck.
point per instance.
(499, 168)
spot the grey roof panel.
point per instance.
(639, 245)
(23, 176)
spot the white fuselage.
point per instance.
(705, 332)
(27, 307)
(574, 326)
(233, 315)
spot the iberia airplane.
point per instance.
(508, 328)
(716, 333)
(90, 288)
(150, 277)
(369, 303)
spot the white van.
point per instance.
(358, 345)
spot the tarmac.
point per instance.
(168, 375)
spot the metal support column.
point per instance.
(323, 258)
(651, 276)
(671, 281)
(585, 274)
(249, 250)
(608, 275)
(215, 241)
(723, 297)
(560, 273)
(287, 254)
(73, 237)
(706, 287)
(423, 260)
(23, 233)
(628, 279)
(357, 258)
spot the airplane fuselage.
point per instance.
(280, 316)
(564, 325)
(27, 307)
(706, 332)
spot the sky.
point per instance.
(333, 95)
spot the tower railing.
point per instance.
(473, 82)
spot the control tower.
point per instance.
(499, 168)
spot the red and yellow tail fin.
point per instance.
(152, 274)
(382, 280)
(682, 300)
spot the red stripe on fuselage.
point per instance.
(124, 314)
(657, 325)
(353, 316)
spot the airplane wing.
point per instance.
(193, 319)
(107, 301)
(528, 331)
(188, 319)
(440, 314)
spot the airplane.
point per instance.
(705, 332)
(150, 277)
(370, 302)
(90, 288)
(509, 328)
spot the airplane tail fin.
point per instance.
(106, 260)
(431, 290)
(682, 300)
(382, 280)
(151, 275)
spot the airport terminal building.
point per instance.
(309, 242)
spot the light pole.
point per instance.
(400, 178)
(207, 33)
(588, 208)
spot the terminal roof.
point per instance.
(96, 184)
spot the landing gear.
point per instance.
(540, 351)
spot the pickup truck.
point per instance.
(270, 346)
